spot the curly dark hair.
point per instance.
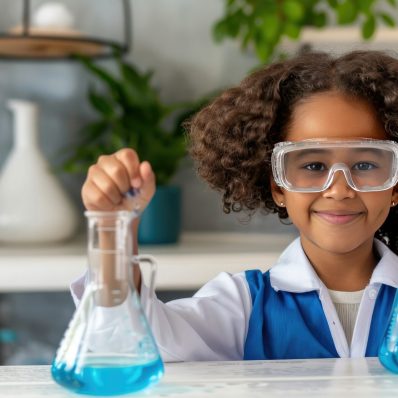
(232, 138)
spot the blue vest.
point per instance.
(286, 325)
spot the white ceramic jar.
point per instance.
(33, 205)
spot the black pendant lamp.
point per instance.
(59, 29)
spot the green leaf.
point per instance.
(263, 50)
(101, 103)
(117, 142)
(247, 34)
(292, 31)
(293, 10)
(319, 19)
(112, 83)
(228, 26)
(387, 19)
(235, 23)
(71, 167)
(262, 7)
(333, 3)
(93, 131)
(270, 27)
(366, 5)
(140, 96)
(219, 31)
(137, 86)
(346, 12)
(392, 2)
(368, 27)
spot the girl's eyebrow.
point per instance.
(300, 153)
(378, 152)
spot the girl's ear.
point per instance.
(394, 197)
(278, 194)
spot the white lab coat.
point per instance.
(212, 325)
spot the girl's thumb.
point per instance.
(148, 186)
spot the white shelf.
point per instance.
(184, 266)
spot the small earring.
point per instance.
(393, 204)
(281, 204)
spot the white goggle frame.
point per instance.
(282, 148)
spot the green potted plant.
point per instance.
(263, 24)
(130, 114)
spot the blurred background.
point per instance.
(194, 49)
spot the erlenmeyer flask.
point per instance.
(108, 348)
(388, 353)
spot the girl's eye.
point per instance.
(364, 166)
(315, 166)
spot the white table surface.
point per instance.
(196, 259)
(341, 378)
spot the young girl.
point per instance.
(313, 139)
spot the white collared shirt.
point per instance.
(213, 324)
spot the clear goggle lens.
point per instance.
(306, 166)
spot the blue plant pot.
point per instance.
(161, 221)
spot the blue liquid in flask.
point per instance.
(388, 353)
(99, 378)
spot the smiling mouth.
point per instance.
(338, 218)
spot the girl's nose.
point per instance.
(339, 188)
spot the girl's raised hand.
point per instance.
(112, 176)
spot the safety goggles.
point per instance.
(310, 165)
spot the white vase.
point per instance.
(33, 205)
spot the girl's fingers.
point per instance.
(112, 176)
(140, 174)
(94, 198)
(148, 181)
(146, 187)
(129, 158)
(116, 173)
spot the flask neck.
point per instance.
(109, 256)
(25, 123)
